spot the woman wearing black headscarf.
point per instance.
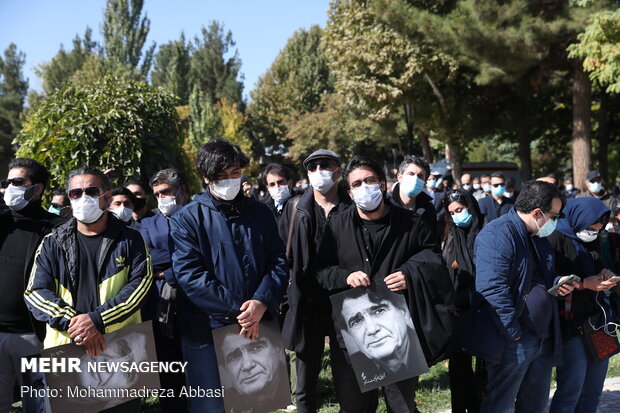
(577, 251)
(459, 237)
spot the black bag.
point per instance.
(598, 344)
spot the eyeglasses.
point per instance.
(58, 206)
(324, 164)
(76, 193)
(13, 181)
(496, 185)
(369, 180)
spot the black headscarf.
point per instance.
(459, 241)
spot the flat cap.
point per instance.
(593, 175)
(322, 154)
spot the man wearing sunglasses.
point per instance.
(91, 274)
(22, 226)
(517, 327)
(228, 260)
(308, 320)
(496, 205)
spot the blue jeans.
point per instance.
(524, 375)
(202, 371)
(580, 380)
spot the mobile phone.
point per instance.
(614, 279)
(571, 279)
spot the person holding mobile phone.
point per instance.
(577, 251)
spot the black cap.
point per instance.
(593, 175)
(322, 154)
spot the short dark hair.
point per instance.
(498, 174)
(418, 161)
(217, 155)
(139, 183)
(65, 200)
(485, 175)
(374, 296)
(538, 194)
(121, 190)
(170, 176)
(363, 162)
(277, 169)
(37, 173)
(89, 170)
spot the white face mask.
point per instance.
(86, 209)
(168, 206)
(569, 187)
(595, 187)
(587, 235)
(226, 189)
(486, 188)
(367, 197)
(122, 213)
(14, 197)
(321, 180)
(476, 186)
(467, 187)
(279, 193)
(508, 194)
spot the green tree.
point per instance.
(64, 64)
(213, 70)
(124, 34)
(172, 68)
(294, 85)
(13, 90)
(112, 122)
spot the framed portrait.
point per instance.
(253, 372)
(379, 335)
(111, 378)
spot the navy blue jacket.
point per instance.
(220, 261)
(488, 207)
(504, 266)
(155, 230)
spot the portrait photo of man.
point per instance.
(253, 372)
(379, 335)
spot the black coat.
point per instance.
(306, 298)
(411, 246)
(488, 207)
(423, 205)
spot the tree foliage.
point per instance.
(172, 68)
(213, 70)
(124, 34)
(13, 89)
(109, 123)
(599, 48)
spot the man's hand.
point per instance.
(251, 313)
(251, 332)
(94, 345)
(567, 288)
(81, 325)
(358, 279)
(599, 282)
(396, 281)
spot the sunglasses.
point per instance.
(454, 196)
(324, 164)
(76, 193)
(58, 206)
(496, 185)
(555, 217)
(13, 181)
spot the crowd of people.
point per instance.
(474, 261)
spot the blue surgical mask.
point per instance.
(53, 210)
(462, 219)
(486, 188)
(431, 183)
(498, 190)
(546, 229)
(411, 185)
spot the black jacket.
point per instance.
(423, 205)
(411, 246)
(306, 298)
(34, 223)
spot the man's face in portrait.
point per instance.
(378, 329)
(251, 365)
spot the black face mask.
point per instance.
(140, 203)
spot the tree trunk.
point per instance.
(456, 159)
(603, 137)
(525, 155)
(582, 130)
(409, 121)
(426, 146)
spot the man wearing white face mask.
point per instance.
(228, 261)
(122, 204)
(308, 320)
(596, 188)
(280, 190)
(22, 226)
(91, 274)
(171, 191)
(409, 192)
(377, 243)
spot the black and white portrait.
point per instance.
(98, 386)
(379, 335)
(253, 373)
